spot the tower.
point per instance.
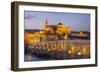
(46, 24)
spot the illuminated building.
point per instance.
(51, 32)
(57, 31)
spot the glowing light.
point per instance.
(48, 49)
(69, 52)
(79, 53)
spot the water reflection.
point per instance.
(57, 50)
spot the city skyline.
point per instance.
(77, 21)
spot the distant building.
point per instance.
(52, 32)
(59, 31)
(49, 32)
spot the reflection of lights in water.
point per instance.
(48, 49)
(39, 47)
(62, 47)
(59, 49)
(73, 48)
(84, 50)
(32, 47)
(28, 57)
(53, 48)
(36, 47)
(70, 49)
(29, 46)
(44, 47)
(69, 52)
(79, 53)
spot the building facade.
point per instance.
(59, 31)
(49, 32)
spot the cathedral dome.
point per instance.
(60, 23)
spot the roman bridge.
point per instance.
(62, 49)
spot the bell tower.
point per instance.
(46, 23)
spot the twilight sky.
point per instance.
(77, 21)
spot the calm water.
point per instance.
(58, 50)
